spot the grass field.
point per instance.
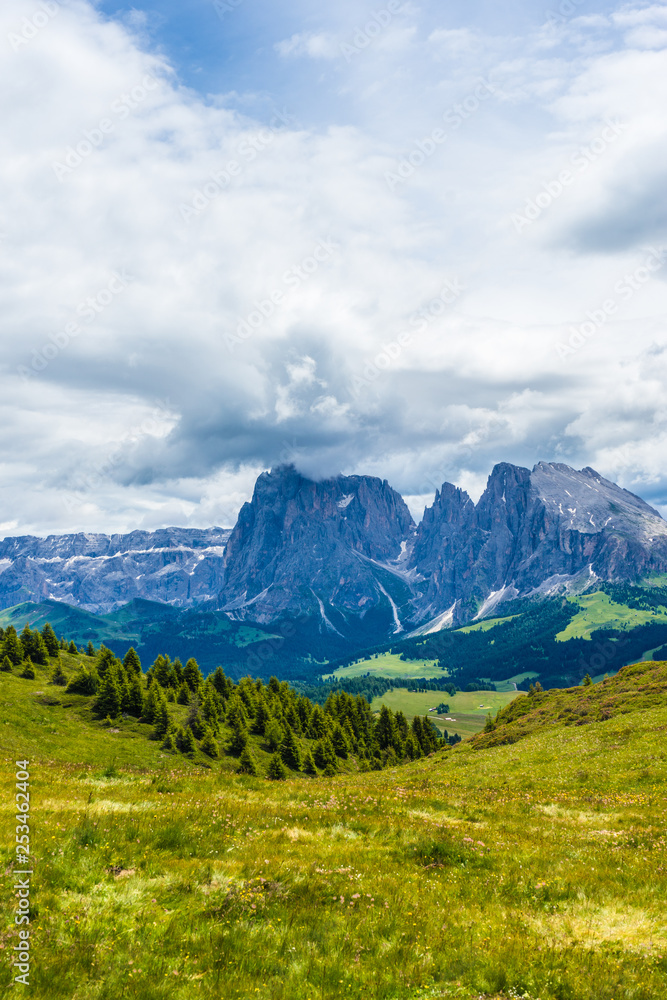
(537, 869)
(484, 626)
(598, 611)
(469, 709)
(390, 665)
(533, 869)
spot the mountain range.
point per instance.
(345, 555)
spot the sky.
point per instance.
(408, 240)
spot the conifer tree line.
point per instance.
(219, 717)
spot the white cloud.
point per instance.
(316, 46)
(269, 264)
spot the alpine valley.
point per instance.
(553, 574)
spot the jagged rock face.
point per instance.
(348, 546)
(300, 545)
(178, 566)
(530, 531)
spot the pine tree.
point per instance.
(325, 755)
(587, 681)
(11, 646)
(40, 653)
(188, 744)
(247, 764)
(131, 662)
(105, 660)
(290, 751)
(110, 698)
(169, 742)
(50, 640)
(153, 699)
(262, 717)
(135, 701)
(184, 694)
(90, 649)
(162, 722)
(6, 664)
(339, 742)
(309, 765)
(192, 675)
(58, 676)
(209, 744)
(26, 640)
(163, 671)
(239, 740)
(386, 730)
(178, 670)
(274, 734)
(85, 681)
(317, 727)
(276, 769)
(72, 648)
(210, 708)
(28, 671)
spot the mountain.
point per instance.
(331, 549)
(337, 565)
(179, 566)
(550, 530)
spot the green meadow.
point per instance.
(598, 610)
(391, 665)
(469, 709)
(485, 625)
(526, 862)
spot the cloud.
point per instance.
(316, 46)
(191, 294)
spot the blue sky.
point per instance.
(409, 240)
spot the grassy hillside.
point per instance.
(636, 687)
(533, 869)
